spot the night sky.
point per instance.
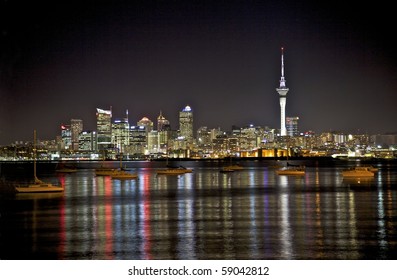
(63, 59)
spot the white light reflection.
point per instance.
(381, 222)
(186, 227)
(253, 230)
(283, 181)
(353, 225)
(285, 228)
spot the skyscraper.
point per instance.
(66, 135)
(76, 128)
(104, 128)
(147, 123)
(282, 91)
(186, 123)
(164, 133)
(121, 133)
(292, 126)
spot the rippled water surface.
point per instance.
(249, 214)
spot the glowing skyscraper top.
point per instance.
(282, 91)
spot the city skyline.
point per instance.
(221, 58)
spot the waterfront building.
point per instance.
(66, 135)
(282, 91)
(121, 133)
(76, 127)
(138, 141)
(291, 124)
(153, 142)
(162, 123)
(186, 124)
(164, 133)
(384, 140)
(147, 123)
(204, 139)
(221, 146)
(88, 141)
(250, 137)
(104, 129)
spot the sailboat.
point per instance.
(173, 170)
(37, 186)
(122, 174)
(104, 171)
(231, 167)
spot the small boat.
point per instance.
(37, 186)
(103, 171)
(358, 171)
(235, 167)
(123, 175)
(371, 168)
(227, 169)
(174, 171)
(297, 171)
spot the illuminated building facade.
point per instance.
(282, 91)
(88, 141)
(104, 129)
(186, 124)
(162, 123)
(66, 135)
(292, 126)
(164, 133)
(76, 127)
(121, 133)
(138, 138)
(147, 123)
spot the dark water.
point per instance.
(249, 214)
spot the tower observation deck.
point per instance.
(282, 91)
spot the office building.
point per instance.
(186, 124)
(104, 129)
(76, 127)
(292, 126)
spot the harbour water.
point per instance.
(252, 214)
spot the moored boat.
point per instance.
(227, 169)
(174, 171)
(37, 186)
(123, 175)
(105, 171)
(297, 171)
(235, 167)
(370, 168)
(358, 171)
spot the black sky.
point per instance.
(63, 59)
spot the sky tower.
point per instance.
(282, 91)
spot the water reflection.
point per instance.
(249, 214)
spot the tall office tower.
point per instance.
(164, 133)
(76, 128)
(88, 141)
(204, 139)
(186, 123)
(282, 91)
(66, 135)
(147, 123)
(138, 139)
(292, 126)
(104, 128)
(121, 133)
(162, 123)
